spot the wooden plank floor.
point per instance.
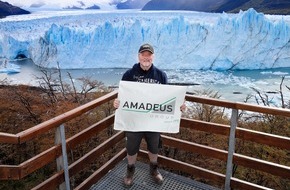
(143, 181)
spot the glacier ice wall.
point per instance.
(182, 40)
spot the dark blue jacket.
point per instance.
(153, 75)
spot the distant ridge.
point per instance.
(7, 9)
(190, 5)
(132, 4)
(278, 7)
(275, 7)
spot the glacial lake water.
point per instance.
(230, 85)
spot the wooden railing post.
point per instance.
(231, 149)
(62, 163)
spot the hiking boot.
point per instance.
(128, 179)
(155, 173)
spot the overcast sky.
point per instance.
(56, 3)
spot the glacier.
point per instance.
(182, 39)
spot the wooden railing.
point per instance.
(225, 180)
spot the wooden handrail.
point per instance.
(52, 153)
(257, 164)
(264, 138)
(240, 184)
(8, 138)
(56, 121)
(102, 171)
(99, 150)
(9, 172)
(47, 156)
(194, 147)
(272, 168)
(77, 166)
(89, 132)
(246, 134)
(238, 106)
(187, 168)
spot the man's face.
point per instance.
(145, 59)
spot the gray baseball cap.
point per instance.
(146, 47)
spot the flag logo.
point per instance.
(167, 107)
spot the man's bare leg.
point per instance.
(154, 168)
(128, 179)
(152, 157)
(131, 159)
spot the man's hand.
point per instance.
(116, 103)
(183, 107)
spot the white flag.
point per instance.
(149, 107)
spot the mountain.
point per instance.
(265, 6)
(231, 6)
(132, 4)
(218, 6)
(192, 5)
(7, 9)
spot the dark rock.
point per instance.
(132, 4)
(94, 7)
(7, 9)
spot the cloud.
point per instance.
(60, 3)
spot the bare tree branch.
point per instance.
(281, 93)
